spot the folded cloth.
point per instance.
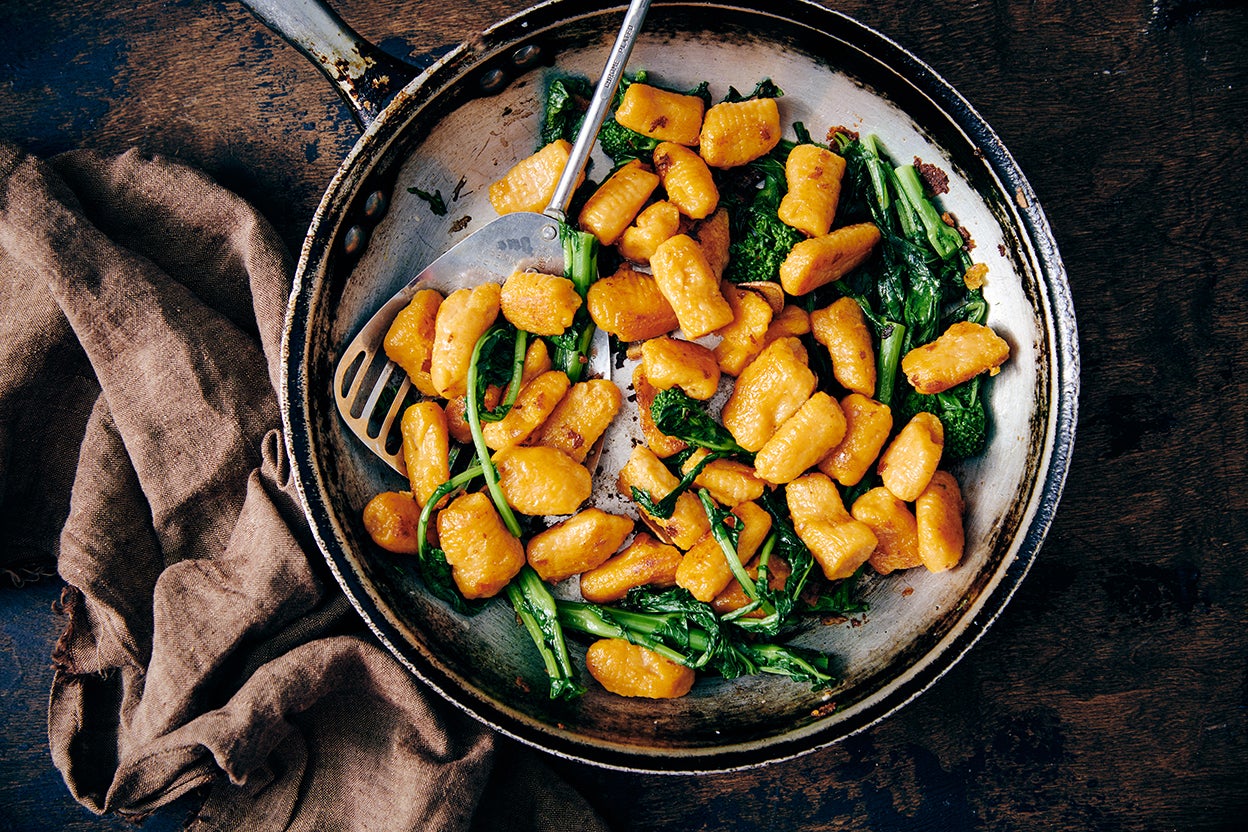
(205, 651)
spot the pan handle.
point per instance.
(366, 77)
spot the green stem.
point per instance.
(483, 450)
(720, 533)
(633, 627)
(892, 338)
(513, 388)
(539, 613)
(944, 239)
(666, 505)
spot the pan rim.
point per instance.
(1040, 248)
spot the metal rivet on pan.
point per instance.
(375, 205)
(549, 232)
(353, 241)
(492, 81)
(526, 56)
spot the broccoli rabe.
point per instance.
(566, 101)
(677, 414)
(765, 88)
(760, 239)
(961, 412)
(686, 631)
(622, 144)
(570, 350)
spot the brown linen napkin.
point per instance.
(140, 318)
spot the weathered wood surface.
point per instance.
(1113, 692)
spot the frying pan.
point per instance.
(460, 124)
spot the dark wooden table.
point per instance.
(1113, 692)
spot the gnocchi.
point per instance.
(791, 354)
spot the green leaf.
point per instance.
(436, 203)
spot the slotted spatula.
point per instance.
(369, 388)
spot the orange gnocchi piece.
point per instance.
(802, 440)
(742, 340)
(661, 114)
(391, 518)
(687, 180)
(482, 553)
(543, 304)
(705, 572)
(737, 132)
(630, 306)
(536, 401)
(685, 278)
(462, 319)
(628, 669)
(541, 481)
(895, 529)
(962, 352)
(838, 542)
(813, 175)
(867, 426)
(711, 235)
(789, 322)
(656, 222)
(822, 260)
(728, 481)
(581, 417)
(907, 465)
(768, 391)
(938, 514)
(530, 183)
(644, 562)
(409, 340)
(425, 444)
(671, 362)
(842, 328)
(613, 207)
(583, 541)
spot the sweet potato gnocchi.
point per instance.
(792, 420)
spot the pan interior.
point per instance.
(447, 137)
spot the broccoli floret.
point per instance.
(960, 410)
(622, 144)
(760, 240)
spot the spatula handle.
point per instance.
(604, 92)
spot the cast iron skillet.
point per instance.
(456, 127)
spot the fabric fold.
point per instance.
(205, 650)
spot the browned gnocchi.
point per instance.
(483, 554)
(530, 183)
(785, 412)
(644, 562)
(629, 669)
(618, 201)
(578, 544)
(462, 318)
(409, 340)
(685, 278)
(543, 304)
